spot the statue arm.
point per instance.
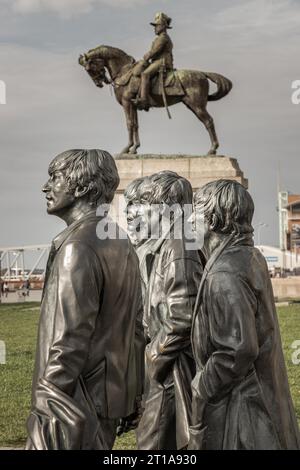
(157, 47)
(182, 278)
(131, 422)
(140, 342)
(76, 310)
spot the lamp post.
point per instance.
(0, 277)
(260, 225)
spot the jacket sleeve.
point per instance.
(140, 342)
(230, 304)
(181, 281)
(157, 46)
(79, 289)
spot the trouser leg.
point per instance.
(145, 85)
(106, 434)
(146, 77)
(157, 428)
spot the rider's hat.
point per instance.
(162, 18)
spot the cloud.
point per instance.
(66, 8)
(267, 16)
(53, 105)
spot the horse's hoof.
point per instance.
(133, 151)
(125, 151)
(211, 152)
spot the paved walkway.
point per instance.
(34, 296)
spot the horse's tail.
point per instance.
(224, 85)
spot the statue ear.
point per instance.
(213, 222)
(81, 191)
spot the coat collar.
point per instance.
(61, 237)
(148, 251)
(231, 241)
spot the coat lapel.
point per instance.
(211, 261)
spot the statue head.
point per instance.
(80, 178)
(161, 22)
(132, 197)
(163, 196)
(95, 67)
(223, 207)
(167, 187)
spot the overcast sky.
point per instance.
(52, 104)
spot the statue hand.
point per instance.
(132, 421)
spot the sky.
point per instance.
(52, 105)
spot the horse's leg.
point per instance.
(136, 136)
(198, 107)
(128, 109)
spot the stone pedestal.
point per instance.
(199, 170)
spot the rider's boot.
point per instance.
(142, 102)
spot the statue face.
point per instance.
(96, 69)
(133, 223)
(159, 28)
(200, 225)
(58, 195)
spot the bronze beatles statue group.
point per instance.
(179, 343)
(172, 333)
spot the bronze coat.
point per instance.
(171, 276)
(161, 50)
(241, 396)
(90, 343)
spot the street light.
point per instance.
(0, 277)
(259, 226)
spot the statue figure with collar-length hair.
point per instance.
(170, 276)
(88, 375)
(241, 396)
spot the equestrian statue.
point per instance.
(153, 82)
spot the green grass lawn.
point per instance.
(18, 327)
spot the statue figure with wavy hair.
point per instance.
(170, 276)
(241, 396)
(88, 376)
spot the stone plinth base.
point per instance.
(286, 288)
(199, 170)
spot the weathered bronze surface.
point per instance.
(90, 348)
(170, 276)
(152, 82)
(241, 396)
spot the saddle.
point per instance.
(172, 83)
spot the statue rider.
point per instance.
(159, 57)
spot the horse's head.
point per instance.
(95, 67)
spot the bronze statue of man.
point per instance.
(170, 276)
(159, 58)
(241, 396)
(90, 348)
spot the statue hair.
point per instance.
(169, 188)
(132, 191)
(230, 204)
(95, 169)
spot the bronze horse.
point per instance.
(194, 84)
